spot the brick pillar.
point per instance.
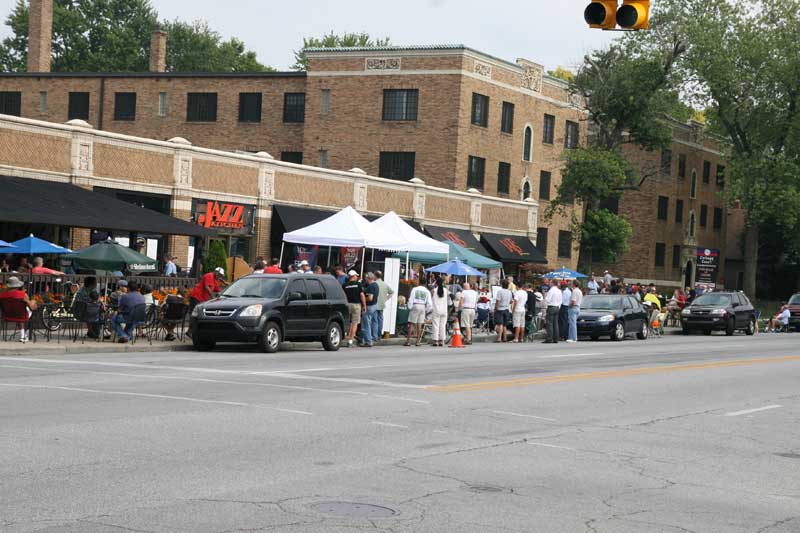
(261, 241)
(158, 51)
(80, 238)
(40, 35)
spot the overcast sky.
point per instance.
(551, 32)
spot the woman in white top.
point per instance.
(440, 300)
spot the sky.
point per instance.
(550, 32)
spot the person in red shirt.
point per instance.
(274, 267)
(207, 288)
(15, 292)
(39, 268)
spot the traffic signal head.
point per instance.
(601, 14)
(634, 14)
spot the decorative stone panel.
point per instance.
(475, 214)
(382, 63)
(483, 69)
(360, 196)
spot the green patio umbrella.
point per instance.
(110, 255)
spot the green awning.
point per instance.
(456, 252)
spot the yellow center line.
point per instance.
(566, 378)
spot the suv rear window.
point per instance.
(256, 288)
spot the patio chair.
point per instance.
(16, 312)
(139, 322)
(174, 316)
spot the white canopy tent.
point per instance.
(407, 239)
(347, 228)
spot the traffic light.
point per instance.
(601, 14)
(634, 14)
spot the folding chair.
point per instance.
(16, 312)
(173, 315)
(138, 324)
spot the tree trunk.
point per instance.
(750, 260)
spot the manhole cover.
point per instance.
(485, 488)
(362, 510)
(789, 455)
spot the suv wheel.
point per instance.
(730, 327)
(333, 337)
(751, 326)
(619, 332)
(202, 345)
(642, 335)
(270, 341)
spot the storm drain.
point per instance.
(486, 488)
(349, 509)
(789, 455)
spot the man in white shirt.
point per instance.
(575, 301)
(518, 314)
(563, 314)
(466, 306)
(607, 278)
(553, 301)
(502, 310)
(781, 318)
(592, 287)
(419, 300)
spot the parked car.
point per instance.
(268, 309)
(794, 309)
(614, 315)
(726, 311)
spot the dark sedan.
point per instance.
(612, 315)
(719, 311)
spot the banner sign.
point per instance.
(229, 217)
(707, 267)
(306, 253)
(349, 257)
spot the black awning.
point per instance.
(289, 218)
(512, 248)
(28, 201)
(461, 237)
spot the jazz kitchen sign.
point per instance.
(226, 216)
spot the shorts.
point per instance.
(467, 318)
(355, 313)
(417, 314)
(519, 320)
(501, 317)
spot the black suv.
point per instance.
(726, 311)
(268, 309)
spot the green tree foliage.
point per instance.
(591, 175)
(114, 36)
(742, 65)
(332, 40)
(216, 257)
(195, 47)
(604, 235)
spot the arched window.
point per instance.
(526, 190)
(691, 224)
(527, 147)
(693, 191)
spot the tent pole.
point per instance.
(363, 258)
(408, 273)
(280, 261)
(330, 248)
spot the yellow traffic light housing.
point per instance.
(601, 14)
(634, 15)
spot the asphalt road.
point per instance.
(672, 434)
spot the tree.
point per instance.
(332, 40)
(629, 95)
(562, 74)
(114, 36)
(216, 257)
(742, 64)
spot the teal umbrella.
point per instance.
(456, 252)
(110, 255)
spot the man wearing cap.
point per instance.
(305, 268)
(15, 292)
(207, 288)
(356, 303)
(113, 298)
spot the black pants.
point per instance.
(552, 323)
(563, 321)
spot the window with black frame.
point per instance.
(294, 107)
(507, 119)
(11, 103)
(663, 207)
(541, 240)
(706, 171)
(476, 172)
(565, 244)
(397, 165)
(571, 137)
(400, 104)
(717, 218)
(679, 211)
(703, 216)
(544, 185)
(480, 110)
(527, 147)
(201, 107)
(661, 250)
(503, 178)
(666, 162)
(549, 132)
(250, 107)
(124, 106)
(721, 176)
(676, 256)
(292, 157)
(78, 106)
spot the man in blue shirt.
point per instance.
(368, 325)
(170, 268)
(127, 303)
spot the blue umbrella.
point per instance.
(456, 268)
(32, 246)
(564, 273)
(4, 244)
